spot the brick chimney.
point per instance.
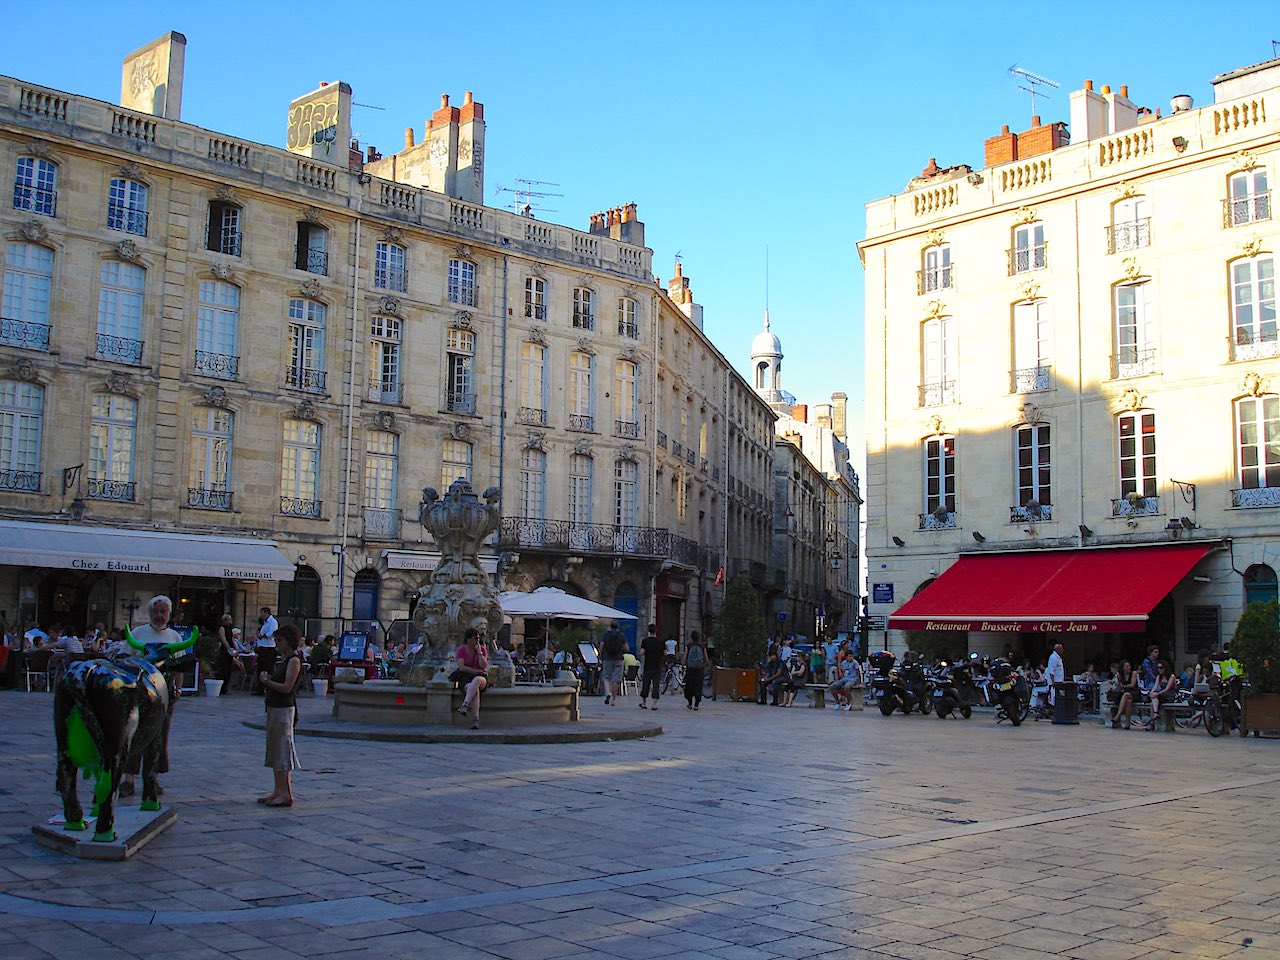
(1002, 148)
(1042, 138)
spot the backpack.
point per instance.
(614, 645)
(696, 657)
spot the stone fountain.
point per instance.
(457, 595)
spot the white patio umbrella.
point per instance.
(550, 603)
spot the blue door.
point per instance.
(365, 597)
(626, 600)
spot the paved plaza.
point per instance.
(742, 832)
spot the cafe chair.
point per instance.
(630, 678)
(38, 669)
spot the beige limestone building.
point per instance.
(1073, 379)
(228, 370)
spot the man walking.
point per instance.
(612, 647)
(653, 652)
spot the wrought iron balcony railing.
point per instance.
(938, 520)
(1031, 513)
(119, 349)
(1026, 259)
(629, 330)
(1236, 212)
(203, 498)
(1251, 345)
(583, 320)
(228, 242)
(35, 200)
(24, 481)
(532, 416)
(1129, 236)
(224, 366)
(598, 538)
(120, 490)
(1135, 506)
(391, 278)
(535, 311)
(313, 261)
(129, 219)
(662, 440)
(1250, 497)
(690, 456)
(582, 421)
(934, 279)
(1031, 379)
(381, 524)
(677, 448)
(299, 507)
(24, 333)
(1132, 362)
(937, 393)
(386, 392)
(463, 294)
(457, 402)
(626, 428)
(304, 378)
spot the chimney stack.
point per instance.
(152, 78)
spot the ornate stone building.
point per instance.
(236, 366)
(1072, 363)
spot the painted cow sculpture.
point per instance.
(105, 713)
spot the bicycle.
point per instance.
(674, 674)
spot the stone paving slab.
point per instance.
(742, 832)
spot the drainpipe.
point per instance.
(1079, 388)
(351, 424)
(502, 395)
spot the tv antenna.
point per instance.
(1033, 81)
(527, 193)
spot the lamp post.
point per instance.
(130, 604)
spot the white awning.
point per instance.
(112, 550)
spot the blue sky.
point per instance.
(735, 126)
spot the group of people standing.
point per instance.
(655, 656)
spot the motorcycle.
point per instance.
(890, 690)
(954, 691)
(918, 683)
(1009, 691)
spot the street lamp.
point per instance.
(130, 605)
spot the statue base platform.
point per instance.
(135, 828)
(397, 704)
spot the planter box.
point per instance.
(1261, 712)
(735, 684)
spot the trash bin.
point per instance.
(1066, 702)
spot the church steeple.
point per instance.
(766, 363)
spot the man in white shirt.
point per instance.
(265, 645)
(1055, 672)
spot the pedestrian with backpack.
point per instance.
(695, 664)
(612, 648)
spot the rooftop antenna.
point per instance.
(766, 286)
(367, 106)
(1033, 81)
(527, 195)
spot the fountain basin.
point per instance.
(390, 702)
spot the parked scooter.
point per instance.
(954, 691)
(919, 684)
(888, 686)
(1010, 692)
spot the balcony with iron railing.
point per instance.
(1135, 505)
(690, 456)
(677, 449)
(940, 519)
(462, 294)
(533, 416)
(299, 507)
(1239, 211)
(629, 330)
(937, 393)
(1026, 259)
(1031, 379)
(1129, 361)
(202, 498)
(24, 333)
(582, 421)
(662, 440)
(305, 378)
(224, 366)
(933, 279)
(1252, 497)
(565, 536)
(381, 524)
(1129, 236)
(535, 311)
(386, 392)
(123, 491)
(127, 219)
(395, 279)
(35, 200)
(1256, 345)
(459, 401)
(21, 481)
(1031, 513)
(313, 261)
(118, 349)
(626, 428)
(584, 320)
(228, 242)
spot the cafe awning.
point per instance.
(115, 550)
(1051, 591)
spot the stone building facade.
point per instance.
(1072, 351)
(266, 354)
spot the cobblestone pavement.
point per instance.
(743, 832)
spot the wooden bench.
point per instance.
(1169, 711)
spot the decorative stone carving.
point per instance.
(216, 396)
(392, 235)
(1130, 267)
(462, 321)
(536, 335)
(585, 346)
(126, 250)
(389, 306)
(535, 441)
(1125, 190)
(538, 271)
(24, 369)
(222, 271)
(35, 231)
(1030, 290)
(628, 452)
(309, 288)
(1254, 384)
(40, 150)
(314, 214)
(936, 423)
(120, 383)
(934, 238)
(463, 251)
(460, 431)
(1132, 399)
(384, 420)
(1246, 160)
(130, 171)
(1252, 247)
(1031, 413)
(1026, 215)
(582, 447)
(935, 309)
(224, 193)
(305, 410)
(584, 283)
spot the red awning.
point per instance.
(1052, 591)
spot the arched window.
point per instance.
(1259, 584)
(462, 283)
(364, 604)
(1248, 198)
(584, 308)
(1258, 451)
(1130, 225)
(1029, 251)
(224, 228)
(1253, 307)
(1135, 329)
(35, 186)
(581, 394)
(113, 432)
(1137, 463)
(938, 362)
(939, 454)
(533, 384)
(460, 360)
(21, 435)
(533, 482)
(127, 206)
(210, 468)
(218, 330)
(762, 372)
(28, 282)
(306, 345)
(626, 411)
(1033, 472)
(389, 271)
(625, 493)
(384, 359)
(300, 469)
(535, 298)
(1031, 346)
(580, 476)
(455, 463)
(628, 325)
(935, 273)
(312, 250)
(120, 293)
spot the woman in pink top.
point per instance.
(472, 674)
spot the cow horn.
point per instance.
(128, 636)
(186, 644)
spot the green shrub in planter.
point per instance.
(739, 636)
(1256, 644)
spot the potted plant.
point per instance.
(207, 653)
(319, 659)
(1256, 645)
(567, 641)
(739, 639)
